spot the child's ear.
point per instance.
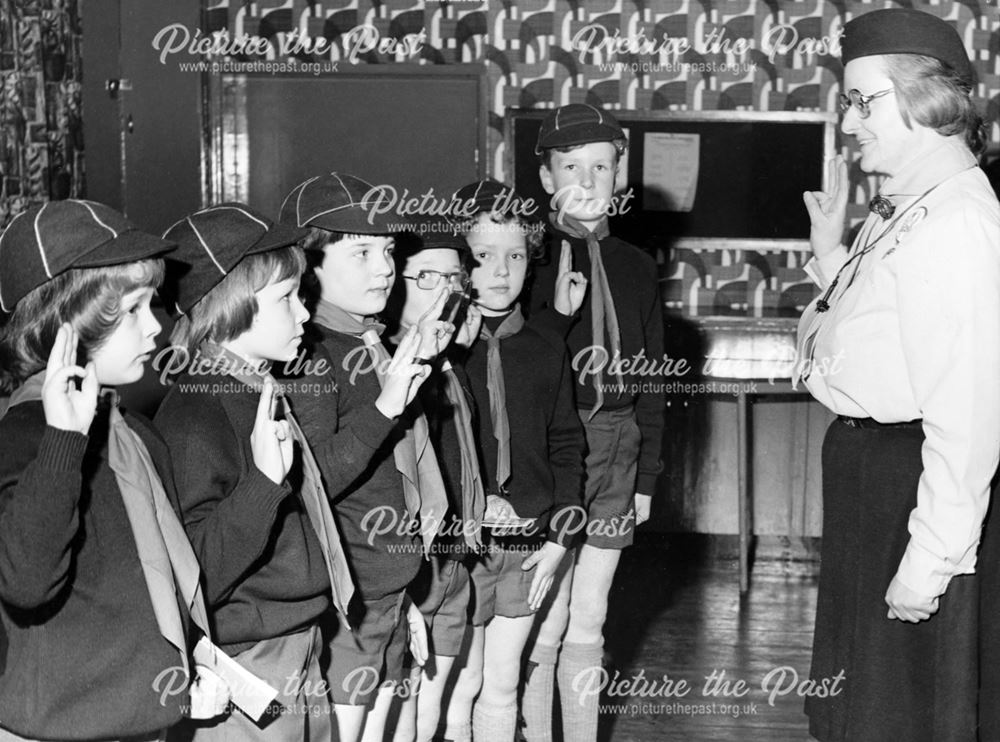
(621, 177)
(545, 175)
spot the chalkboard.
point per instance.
(752, 170)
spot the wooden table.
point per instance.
(757, 354)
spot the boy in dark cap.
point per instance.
(531, 453)
(433, 254)
(259, 521)
(380, 469)
(620, 319)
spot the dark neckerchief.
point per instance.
(511, 324)
(603, 315)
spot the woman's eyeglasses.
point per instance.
(429, 280)
(859, 101)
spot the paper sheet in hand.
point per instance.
(250, 693)
(670, 165)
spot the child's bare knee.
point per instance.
(587, 618)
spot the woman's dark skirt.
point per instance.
(988, 569)
(902, 681)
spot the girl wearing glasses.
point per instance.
(912, 312)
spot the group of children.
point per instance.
(345, 532)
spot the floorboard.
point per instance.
(675, 611)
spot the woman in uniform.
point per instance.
(903, 344)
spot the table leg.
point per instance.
(743, 487)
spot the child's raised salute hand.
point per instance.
(469, 330)
(271, 440)
(67, 407)
(403, 377)
(571, 286)
(435, 333)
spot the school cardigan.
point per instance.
(353, 444)
(635, 292)
(546, 438)
(80, 652)
(264, 571)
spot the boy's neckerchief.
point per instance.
(423, 487)
(603, 315)
(473, 493)
(168, 562)
(511, 325)
(313, 494)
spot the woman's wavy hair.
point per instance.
(931, 93)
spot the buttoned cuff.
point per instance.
(926, 574)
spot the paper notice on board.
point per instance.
(670, 171)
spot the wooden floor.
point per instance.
(676, 611)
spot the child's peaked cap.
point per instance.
(338, 202)
(48, 239)
(577, 123)
(483, 195)
(214, 240)
(437, 232)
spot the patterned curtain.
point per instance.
(41, 133)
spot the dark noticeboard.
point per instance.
(752, 168)
(411, 129)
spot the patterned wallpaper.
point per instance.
(41, 135)
(769, 55)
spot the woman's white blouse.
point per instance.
(917, 336)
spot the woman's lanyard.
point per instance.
(823, 304)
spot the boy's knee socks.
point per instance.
(463, 734)
(493, 723)
(539, 685)
(578, 665)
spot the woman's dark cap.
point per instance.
(905, 31)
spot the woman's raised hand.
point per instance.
(828, 210)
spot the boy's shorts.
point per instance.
(370, 652)
(499, 586)
(443, 593)
(613, 440)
